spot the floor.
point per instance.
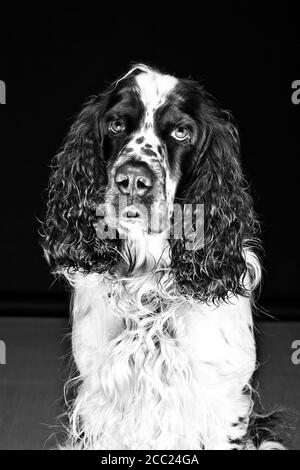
(31, 381)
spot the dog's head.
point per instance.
(149, 142)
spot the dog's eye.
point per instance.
(181, 133)
(117, 126)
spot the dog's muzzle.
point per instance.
(136, 195)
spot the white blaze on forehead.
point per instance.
(153, 88)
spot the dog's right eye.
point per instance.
(117, 126)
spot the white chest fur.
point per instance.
(157, 373)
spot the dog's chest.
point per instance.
(152, 369)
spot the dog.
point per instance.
(150, 221)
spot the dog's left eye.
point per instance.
(117, 126)
(181, 133)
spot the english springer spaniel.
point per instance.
(150, 221)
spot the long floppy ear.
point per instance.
(219, 267)
(76, 187)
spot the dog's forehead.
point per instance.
(154, 87)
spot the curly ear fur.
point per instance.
(218, 268)
(76, 186)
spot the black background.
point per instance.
(53, 60)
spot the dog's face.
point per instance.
(149, 140)
(149, 134)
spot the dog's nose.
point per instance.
(134, 179)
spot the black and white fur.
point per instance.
(162, 336)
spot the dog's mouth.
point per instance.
(132, 214)
(149, 219)
(132, 217)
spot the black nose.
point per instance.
(134, 178)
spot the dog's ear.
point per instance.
(76, 187)
(218, 267)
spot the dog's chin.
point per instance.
(136, 227)
(132, 226)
